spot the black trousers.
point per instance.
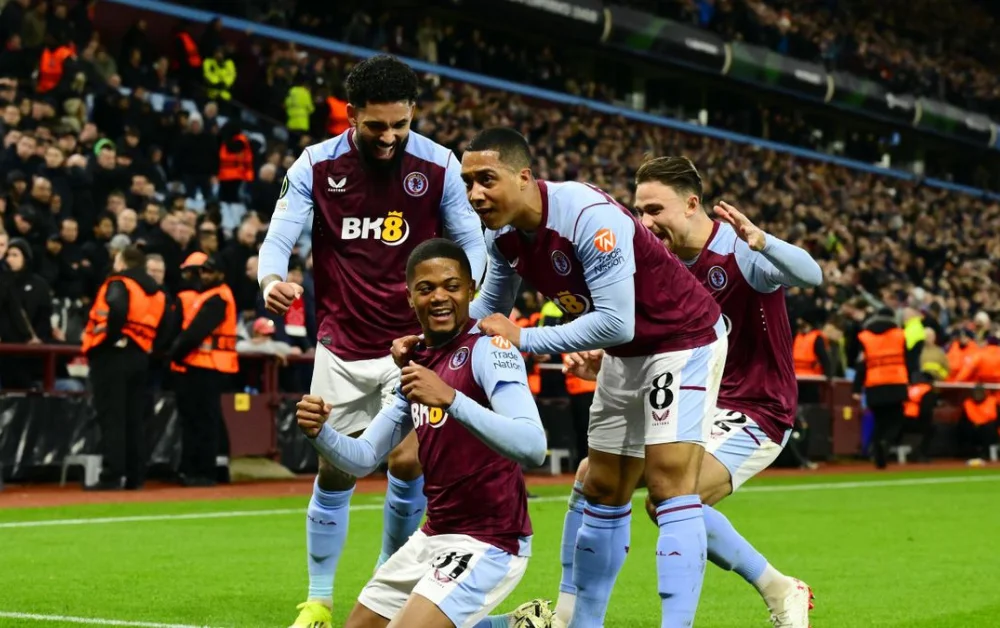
(889, 419)
(975, 440)
(203, 428)
(579, 407)
(118, 381)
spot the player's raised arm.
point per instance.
(512, 428)
(603, 243)
(460, 222)
(356, 456)
(768, 262)
(499, 289)
(292, 209)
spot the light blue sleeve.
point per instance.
(291, 212)
(460, 221)
(609, 324)
(780, 264)
(360, 456)
(605, 228)
(499, 289)
(513, 427)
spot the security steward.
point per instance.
(811, 359)
(884, 373)
(918, 409)
(125, 320)
(204, 359)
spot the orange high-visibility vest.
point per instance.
(50, 66)
(217, 352)
(337, 121)
(915, 394)
(145, 312)
(804, 354)
(983, 366)
(236, 166)
(959, 357)
(578, 386)
(885, 358)
(190, 50)
(980, 413)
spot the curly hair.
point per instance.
(381, 79)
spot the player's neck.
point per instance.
(697, 239)
(434, 341)
(529, 215)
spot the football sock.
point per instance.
(401, 515)
(326, 531)
(601, 547)
(571, 528)
(680, 559)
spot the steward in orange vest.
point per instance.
(124, 324)
(336, 120)
(204, 354)
(809, 353)
(918, 409)
(961, 353)
(978, 429)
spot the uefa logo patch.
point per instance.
(416, 184)
(717, 277)
(459, 358)
(561, 263)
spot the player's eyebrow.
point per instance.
(648, 207)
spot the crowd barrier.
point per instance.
(41, 426)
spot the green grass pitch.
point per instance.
(914, 550)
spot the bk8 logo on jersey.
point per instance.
(422, 415)
(392, 230)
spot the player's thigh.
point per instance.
(737, 450)
(615, 415)
(363, 617)
(391, 585)
(419, 611)
(468, 578)
(354, 389)
(610, 479)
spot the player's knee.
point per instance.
(672, 470)
(330, 478)
(581, 470)
(601, 487)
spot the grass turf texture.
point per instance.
(892, 553)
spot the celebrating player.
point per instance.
(375, 192)
(466, 398)
(746, 270)
(666, 346)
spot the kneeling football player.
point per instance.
(466, 396)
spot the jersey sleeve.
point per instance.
(291, 212)
(499, 289)
(779, 265)
(603, 243)
(360, 456)
(460, 222)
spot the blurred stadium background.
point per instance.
(864, 132)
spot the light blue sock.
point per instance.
(404, 509)
(601, 546)
(729, 550)
(326, 533)
(571, 528)
(680, 559)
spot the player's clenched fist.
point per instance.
(402, 348)
(500, 325)
(311, 413)
(422, 385)
(583, 364)
(279, 296)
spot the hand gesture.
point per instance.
(500, 325)
(583, 364)
(746, 230)
(281, 295)
(402, 349)
(311, 414)
(422, 385)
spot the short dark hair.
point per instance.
(437, 248)
(512, 147)
(133, 257)
(676, 172)
(381, 79)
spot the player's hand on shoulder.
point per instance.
(583, 364)
(311, 414)
(745, 229)
(422, 385)
(500, 325)
(402, 349)
(279, 296)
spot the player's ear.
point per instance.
(409, 298)
(693, 205)
(352, 115)
(524, 177)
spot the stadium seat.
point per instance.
(91, 468)
(994, 453)
(556, 456)
(902, 451)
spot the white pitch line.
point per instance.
(92, 621)
(781, 488)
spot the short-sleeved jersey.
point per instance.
(587, 241)
(470, 488)
(759, 378)
(366, 222)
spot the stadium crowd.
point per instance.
(81, 182)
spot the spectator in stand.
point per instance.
(220, 74)
(234, 261)
(264, 192)
(262, 341)
(128, 222)
(196, 160)
(978, 426)
(34, 293)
